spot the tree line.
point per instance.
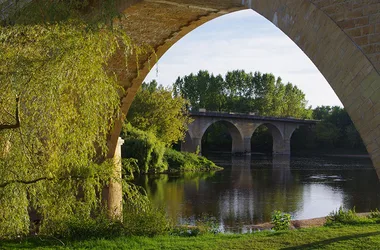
(266, 95)
(238, 91)
(336, 132)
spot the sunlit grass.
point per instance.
(339, 237)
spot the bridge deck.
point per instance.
(252, 117)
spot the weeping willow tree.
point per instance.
(57, 104)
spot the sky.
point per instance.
(244, 40)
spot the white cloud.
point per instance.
(244, 40)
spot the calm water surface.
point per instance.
(250, 188)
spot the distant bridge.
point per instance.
(241, 128)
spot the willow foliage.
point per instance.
(52, 159)
(155, 109)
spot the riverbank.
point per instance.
(300, 224)
(362, 236)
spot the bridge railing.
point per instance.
(251, 115)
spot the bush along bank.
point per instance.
(147, 154)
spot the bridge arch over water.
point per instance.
(276, 134)
(342, 38)
(234, 131)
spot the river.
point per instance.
(250, 188)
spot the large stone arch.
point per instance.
(340, 37)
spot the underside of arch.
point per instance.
(235, 133)
(277, 137)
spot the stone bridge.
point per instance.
(241, 128)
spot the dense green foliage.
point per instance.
(336, 128)
(341, 237)
(335, 131)
(188, 162)
(94, 13)
(145, 148)
(350, 217)
(280, 220)
(152, 156)
(242, 92)
(54, 56)
(156, 110)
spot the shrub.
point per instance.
(202, 226)
(341, 216)
(145, 148)
(375, 215)
(139, 218)
(280, 220)
(188, 162)
(176, 160)
(81, 228)
(149, 222)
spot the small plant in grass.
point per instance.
(204, 225)
(186, 231)
(342, 216)
(374, 214)
(280, 220)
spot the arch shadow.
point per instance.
(235, 133)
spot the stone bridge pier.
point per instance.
(241, 129)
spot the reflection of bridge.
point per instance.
(241, 128)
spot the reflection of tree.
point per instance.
(171, 192)
(258, 188)
(363, 197)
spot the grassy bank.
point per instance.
(365, 236)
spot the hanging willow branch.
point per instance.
(17, 124)
(28, 182)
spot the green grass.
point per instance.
(338, 237)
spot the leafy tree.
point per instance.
(242, 92)
(353, 137)
(202, 90)
(347, 135)
(53, 68)
(327, 133)
(155, 109)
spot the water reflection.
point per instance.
(249, 189)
